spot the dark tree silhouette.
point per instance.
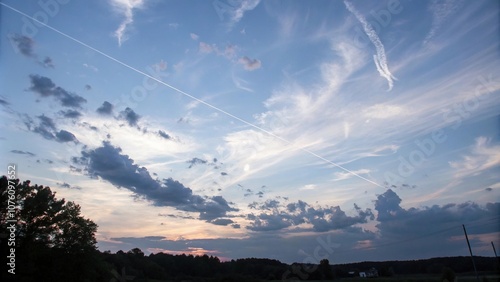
(53, 242)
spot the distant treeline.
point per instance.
(163, 266)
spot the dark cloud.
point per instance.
(105, 109)
(395, 219)
(249, 64)
(65, 136)
(4, 102)
(88, 87)
(277, 216)
(108, 162)
(70, 114)
(223, 173)
(47, 88)
(489, 189)
(45, 128)
(195, 161)
(42, 85)
(23, 153)
(222, 221)
(164, 135)
(24, 45)
(67, 186)
(236, 226)
(47, 62)
(130, 116)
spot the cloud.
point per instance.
(125, 8)
(46, 88)
(65, 136)
(162, 133)
(4, 102)
(195, 161)
(249, 64)
(105, 109)
(483, 156)
(194, 36)
(293, 214)
(23, 153)
(24, 44)
(382, 111)
(95, 69)
(206, 48)
(47, 63)
(71, 114)
(108, 163)
(48, 130)
(380, 58)
(441, 11)
(130, 116)
(238, 12)
(397, 222)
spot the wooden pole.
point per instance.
(470, 251)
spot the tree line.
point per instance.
(52, 241)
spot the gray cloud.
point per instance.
(47, 63)
(105, 109)
(4, 102)
(23, 153)
(393, 219)
(70, 114)
(222, 221)
(162, 133)
(65, 136)
(47, 88)
(108, 163)
(195, 161)
(130, 116)
(322, 219)
(24, 44)
(250, 64)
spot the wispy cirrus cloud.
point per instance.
(380, 58)
(483, 156)
(441, 11)
(125, 8)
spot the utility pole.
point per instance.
(494, 250)
(470, 251)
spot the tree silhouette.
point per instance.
(53, 242)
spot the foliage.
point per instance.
(53, 242)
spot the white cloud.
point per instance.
(441, 11)
(194, 36)
(238, 13)
(380, 58)
(126, 8)
(382, 111)
(250, 64)
(207, 48)
(483, 156)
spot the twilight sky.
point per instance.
(294, 130)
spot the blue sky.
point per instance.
(295, 130)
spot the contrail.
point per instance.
(379, 59)
(303, 149)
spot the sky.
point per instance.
(291, 130)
